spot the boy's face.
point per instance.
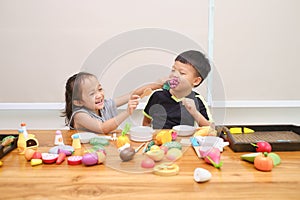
(92, 95)
(186, 74)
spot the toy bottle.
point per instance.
(25, 133)
(76, 141)
(21, 142)
(58, 138)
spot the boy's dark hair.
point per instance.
(197, 60)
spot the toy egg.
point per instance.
(201, 175)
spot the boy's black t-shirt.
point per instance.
(167, 111)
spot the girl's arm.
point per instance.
(139, 91)
(84, 121)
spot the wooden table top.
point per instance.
(236, 179)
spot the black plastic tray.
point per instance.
(6, 149)
(281, 137)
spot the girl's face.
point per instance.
(186, 74)
(92, 94)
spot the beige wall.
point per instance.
(255, 47)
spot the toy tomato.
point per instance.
(263, 146)
(263, 162)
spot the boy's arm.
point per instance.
(191, 108)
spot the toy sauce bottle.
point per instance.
(21, 144)
(23, 127)
(58, 138)
(76, 141)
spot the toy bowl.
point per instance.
(141, 133)
(184, 130)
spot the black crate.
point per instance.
(281, 137)
(6, 149)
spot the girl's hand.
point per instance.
(133, 103)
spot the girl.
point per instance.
(87, 109)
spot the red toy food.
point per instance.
(262, 146)
(61, 157)
(49, 158)
(74, 160)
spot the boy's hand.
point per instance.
(190, 105)
(133, 103)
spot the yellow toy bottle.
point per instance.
(76, 141)
(21, 142)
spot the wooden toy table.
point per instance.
(236, 179)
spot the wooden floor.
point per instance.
(236, 180)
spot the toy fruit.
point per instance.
(29, 153)
(163, 137)
(157, 155)
(89, 159)
(35, 162)
(213, 156)
(123, 139)
(74, 160)
(1, 163)
(250, 156)
(37, 155)
(174, 154)
(148, 163)
(127, 154)
(263, 162)
(276, 158)
(262, 146)
(49, 158)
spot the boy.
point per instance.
(180, 105)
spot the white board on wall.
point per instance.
(45, 42)
(256, 47)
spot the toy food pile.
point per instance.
(263, 159)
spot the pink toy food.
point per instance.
(212, 156)
(148, 163)
(89, 159)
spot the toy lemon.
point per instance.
(163, 137)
